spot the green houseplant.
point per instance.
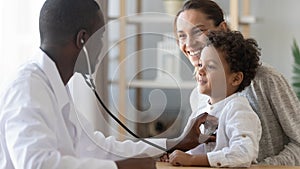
(296, 68)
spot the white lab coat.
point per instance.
(40, 127)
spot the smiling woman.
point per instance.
(18, 34)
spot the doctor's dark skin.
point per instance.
(63, 45)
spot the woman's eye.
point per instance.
(181, 36)
(197, 32)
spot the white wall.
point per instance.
(19, 35)
(278, 23)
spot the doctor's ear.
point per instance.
(81, 38)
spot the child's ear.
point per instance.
(237, 78)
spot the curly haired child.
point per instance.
(227, 65)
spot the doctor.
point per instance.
(38, 121)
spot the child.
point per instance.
(227, 65)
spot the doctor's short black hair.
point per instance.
(60, 20)
(242, 55)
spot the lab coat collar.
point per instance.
(61, 91)
(54, 78)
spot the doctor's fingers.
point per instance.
(164, 158)
(197, 121)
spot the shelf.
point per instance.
(165, 18)
(162, 85)
(151, 18)
(147, 18)
(158, 84)
(244, 19)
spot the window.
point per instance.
(19, 34)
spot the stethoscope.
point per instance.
(90, 82)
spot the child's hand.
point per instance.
(179, 158)
(164, 158)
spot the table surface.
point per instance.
(161, 165)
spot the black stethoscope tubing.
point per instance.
(90, 83)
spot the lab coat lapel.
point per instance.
(60, 90)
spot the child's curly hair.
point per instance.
(242, 55)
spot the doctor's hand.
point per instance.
(190, 138)
(137, 163)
